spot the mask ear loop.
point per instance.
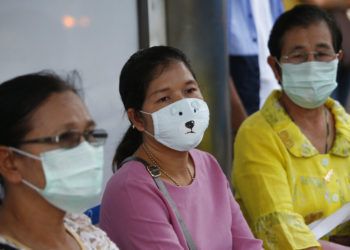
(39, 190)
(148, 133)
(144, 112)
(279, 69)
(278, 63)
(21, 152)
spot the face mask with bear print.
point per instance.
(180, 125)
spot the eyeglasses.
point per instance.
(72, 139)
(301, 57)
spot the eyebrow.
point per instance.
(73, 125)
(319, 46)
(189, 82)
(159, 91)
(90, 123)
(297, 47)
(323, 46)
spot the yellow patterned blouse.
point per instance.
(282, 182)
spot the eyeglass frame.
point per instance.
(315, 55)
(57, 138)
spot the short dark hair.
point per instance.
(135, 77)
(302, 15)
(21, 96)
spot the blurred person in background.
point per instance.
(249, 23)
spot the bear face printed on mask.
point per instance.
(187, 116)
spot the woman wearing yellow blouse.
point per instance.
(292, 158)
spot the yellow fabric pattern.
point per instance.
(282, 182)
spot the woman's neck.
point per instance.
(177, 164)
(301, 115)
(316, 124)
(26, 217)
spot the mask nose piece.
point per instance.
(189, 124)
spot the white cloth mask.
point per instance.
(309, 84)
(181, 125)
(73, 176)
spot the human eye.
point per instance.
(69, 139)
(324, 55)
(89, 136)
(191, 90)
(297, 55)
(163, 99)
(96, 137)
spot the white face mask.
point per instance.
(309, 84)
(73, 176)
(181, 125)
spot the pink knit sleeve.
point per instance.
(135, 217)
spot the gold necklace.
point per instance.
(154, 162)
(330, 172)
(327, 129)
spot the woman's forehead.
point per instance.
(58, 111)
(308, 37)
(175, 73)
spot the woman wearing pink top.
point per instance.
(169, 117)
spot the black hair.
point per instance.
(21, 96)
(302, 15)
(135, 77)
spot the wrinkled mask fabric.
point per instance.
(181, 125)
(73, 176)
(309, 84)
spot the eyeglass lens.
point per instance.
(300, 57)
(72, 139)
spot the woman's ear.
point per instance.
(136, 119)
(8, 169)
(275, 68)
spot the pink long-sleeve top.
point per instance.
(136, 215)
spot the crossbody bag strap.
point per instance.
(154, 171)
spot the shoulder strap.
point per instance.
(154, 171)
